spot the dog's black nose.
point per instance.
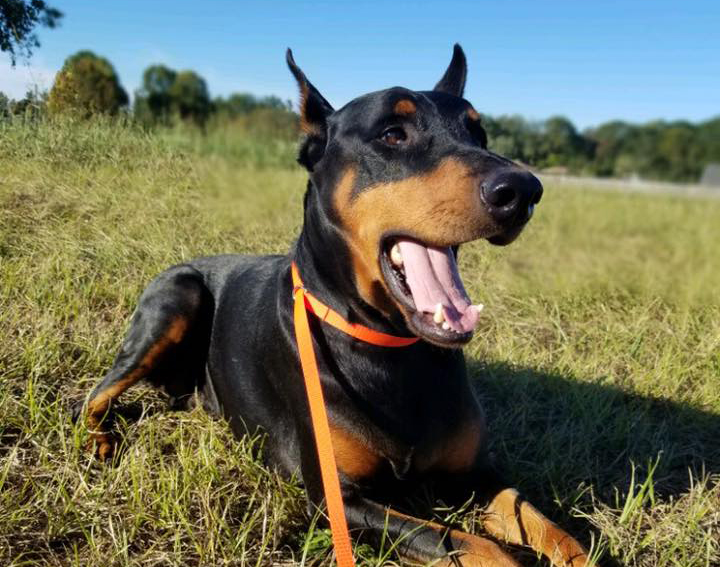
(511, 196)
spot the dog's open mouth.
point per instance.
(425, 282)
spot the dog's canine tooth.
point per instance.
(446, 326)
(479, 307)
(396, 256)
(439, 316)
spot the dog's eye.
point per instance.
(394, 136)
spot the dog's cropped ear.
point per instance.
(453, 81)
(314, 110)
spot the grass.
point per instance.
(597, 359)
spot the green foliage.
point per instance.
(153, 101)
(32, 106)
(190, 97)
(263, 123)
(264, 138)
(258, 130)
(676, 151)
(18, 19)
(672, 151)
(166, 94)
(87, 85)
(4, 105)
(238, 104)
(563, 145)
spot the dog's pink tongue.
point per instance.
(432, 276)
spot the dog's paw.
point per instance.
(102, 445)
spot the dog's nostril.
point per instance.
(500, 196)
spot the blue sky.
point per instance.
(590, 61)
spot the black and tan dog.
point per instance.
(398, 180)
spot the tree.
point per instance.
(516, 138)
(87, 85)
(32, 106)
(236, 104)
(239, 104)
(166, 94)
(677, 148)
(610, 142)
(708, 138)
(563, 145)
(4, 105)
(18, 18)
(153, 101)
(190, 97)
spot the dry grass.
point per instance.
(598, 360)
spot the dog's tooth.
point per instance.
(446, 326)
(479, 307)
(396, 256)
(438, 316)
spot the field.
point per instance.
(597, 359)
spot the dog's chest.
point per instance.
(443, 448)
(447, 428)
(454, 450)
(417, 414)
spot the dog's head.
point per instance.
(401, 178)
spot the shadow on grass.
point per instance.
(557, 438)
(553, 435)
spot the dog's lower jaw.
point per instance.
(420, 328)
(428, 326)
(506, 237)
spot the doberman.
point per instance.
(398, 179)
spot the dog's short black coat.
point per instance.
(389, 164)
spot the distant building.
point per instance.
(711, 176)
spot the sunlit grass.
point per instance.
(598, 360)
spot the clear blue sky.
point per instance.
(590, 61)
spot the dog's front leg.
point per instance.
(509, 517)
(421, 540)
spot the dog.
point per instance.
(398, 180)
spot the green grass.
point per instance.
(597, 359)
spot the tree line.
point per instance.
(664, 150)
(88, 84)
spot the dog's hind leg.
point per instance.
(166, 343)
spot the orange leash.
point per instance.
(304, 301)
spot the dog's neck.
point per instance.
(329, 275)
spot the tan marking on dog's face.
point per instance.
(441, 207)
(405, 107)
(472, 114)
(353, 457)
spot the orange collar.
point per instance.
(333, 318)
